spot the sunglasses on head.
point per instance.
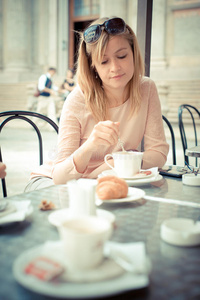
(112, 26)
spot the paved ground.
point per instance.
(20, 153)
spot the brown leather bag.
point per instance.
(37, 92)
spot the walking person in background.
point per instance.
(46, 102)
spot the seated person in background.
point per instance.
(68, 84)
(113, 99)
(2, 170)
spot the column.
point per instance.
(16, 38)
(113, 8)
(132, 14)
(1, 35)
(63, 42)
(158, 34)
(52, 33)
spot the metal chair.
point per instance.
(172, 139)
(194, 115)
(26, 116)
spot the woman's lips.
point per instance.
(117, 76)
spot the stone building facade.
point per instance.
(36, 34)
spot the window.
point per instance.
(86, 7)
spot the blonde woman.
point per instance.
(112, 99)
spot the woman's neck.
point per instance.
(116, 97)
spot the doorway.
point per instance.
(78, 26)
(79, 19)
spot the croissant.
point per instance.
(111, 187)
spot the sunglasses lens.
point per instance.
(92, 34)
(112, 26)
(115, 26)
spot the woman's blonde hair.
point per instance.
(91, 84)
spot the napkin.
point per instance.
(23, 209)
(10, 208)
(131, 256)
(154, 171)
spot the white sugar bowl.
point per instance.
(191, 179)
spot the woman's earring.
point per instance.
(96, 75)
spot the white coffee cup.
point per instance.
(83, 241)
(126, 164)
(82, 197)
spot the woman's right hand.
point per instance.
(104, 133)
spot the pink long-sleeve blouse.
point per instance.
(77, 123)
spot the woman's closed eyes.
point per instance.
(119, 57)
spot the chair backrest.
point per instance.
(172, 139)
(194, 115)
(27, 116)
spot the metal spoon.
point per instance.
(127, 265)
(121, 144)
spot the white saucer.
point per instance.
(181, 232)
(107, 269)
(108, 279)
(134, 194)
(137, 176)
(56, 217)
(136, 182)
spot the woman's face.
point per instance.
(117, 66)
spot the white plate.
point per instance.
(115, 280)
(56, 217)
(135, 182)
(134, 194)
(23, 210)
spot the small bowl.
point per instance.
(181, 232)
(191, 179)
